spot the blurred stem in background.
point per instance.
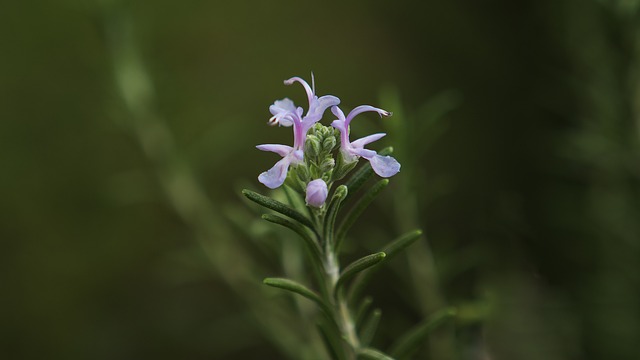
(416, 136)
(229, 260)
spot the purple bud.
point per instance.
(316, 193)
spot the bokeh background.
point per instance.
(127, 130)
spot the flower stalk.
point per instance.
(341, 313)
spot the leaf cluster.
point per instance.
(347, 333)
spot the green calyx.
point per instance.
(322, 159)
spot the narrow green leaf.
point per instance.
(277, 206)
(373, 354)
(410, 341)
(293, 286)
(358, 208)
(362, 310)
(332, 211)
(357, 266)
(359, 177)
(369, 328)
(331, 339)
(392, 249)
(399, 244)
(311, 245)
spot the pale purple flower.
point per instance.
(275, 176)
(285, 113)
(385, 166)
(316, 193)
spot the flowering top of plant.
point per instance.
(320, 156)
(285, 113)
(314, 163)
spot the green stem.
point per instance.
(340, 309)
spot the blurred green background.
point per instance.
(127, 130)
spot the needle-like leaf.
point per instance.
(357, 266)
(409, 342)
(332, 211)
(277, 206)
(330, 335)
(311, 245)
(362, 310)
(373, 354)
(392, 249)
(293, 286)
(369, 328)
(358, 208)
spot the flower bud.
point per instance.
(343, 166)
(327, 164)
(329, 143)
(303, 172)
(312, 146)
(316, 193)
(326, 131)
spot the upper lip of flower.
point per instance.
(317, 107)
(286, 113)
(384, 166)
(343, 122)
